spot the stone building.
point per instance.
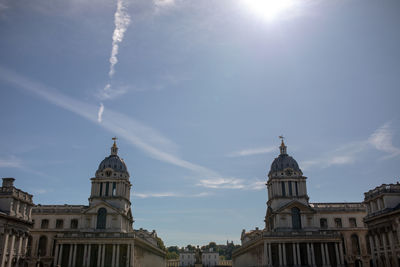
(209, 258)
(383, 221)
(300, 233)
(15, 223)
(99, 234)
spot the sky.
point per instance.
(197, 93)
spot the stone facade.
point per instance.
(208, 258)
(100, 234)
(300, 233)
(15, 223)
(383, 222)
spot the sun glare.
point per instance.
(268, 9)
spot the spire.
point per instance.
(114, 148)
(283, 146)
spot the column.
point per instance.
(71, 248)
(84, 255)
(128, 253)
(294, 254)
(298, 254)
(327, 255)
(384, 241)
(323, 254)
(269, 254)
(117, 257)
(113, 256)
(5, 247)
(11, 254)
(372, 245)
(60, 258)
(56, 255)
(341, 253)
(25, 245)
(309, 254)
(312, 254)
(74, 255)
(337, 254)
(103, 255)
(280, 254)
(88, 255)
(100, 247)
(19, 247)
(132, 254)
(284, 253)
(265, 257)
(392, 247)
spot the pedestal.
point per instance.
(198, 265)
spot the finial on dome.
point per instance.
(283, 146)
(114, 148)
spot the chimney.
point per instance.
(8, 182)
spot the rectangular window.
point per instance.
(45, 224)
(101, 189)
(297, 189)
(59, 224)
(353, 222)
(323, 223)
(290, 188)
(283, 189)
(74, 224)
(114, 189)
(107, 189)
(338, 222)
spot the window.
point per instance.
(42, 246)
(297, 189)
(323, 223)
(59, 224)
(114, 188)
(45, 224)
(101, 189)
(355, 245)
(74, 224)
(101, 218)
(296, 218)
(353, 222)
(290, 188)
(107, 187)
(338, 222)
(283, 189)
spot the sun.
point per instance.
(268, 9)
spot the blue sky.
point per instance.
(198, 95)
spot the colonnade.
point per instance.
(14, 244)
(384, 246)
(296, 259)
(100, 257)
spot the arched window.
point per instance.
(42, 246)
(355, 245)
(296, 219)
(101, 218)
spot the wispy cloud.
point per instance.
(100, 113)
(381, 139)
(141, 136)
(231, 183)
(169, 194)
(10, 162)
(121, 21)
(252, 151)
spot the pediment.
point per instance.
(110, 209)
(295, 204)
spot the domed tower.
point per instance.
(286, 183)
(111, 182)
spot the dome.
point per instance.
(284, 161)
(114, 162)
(113, 165)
